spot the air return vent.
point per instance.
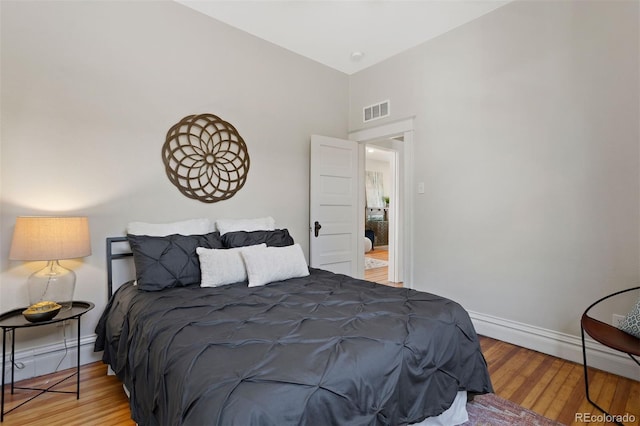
(374, 112)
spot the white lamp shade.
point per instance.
(50, 238)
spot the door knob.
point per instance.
(316, 228)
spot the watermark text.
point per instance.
(604, 418)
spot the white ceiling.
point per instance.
(329, 31)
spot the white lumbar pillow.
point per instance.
(257, 224)
(222, 266)
(269, 264)
(184, 227)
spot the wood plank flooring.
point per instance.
(547, 385)
(379, 275)
(554, 387)
(102, 401)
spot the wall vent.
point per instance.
(374, 112)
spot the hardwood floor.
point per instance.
(549, 386)
(379, 275)
(554, 387)
(102, 401)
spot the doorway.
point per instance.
(399, 133)
(381, 211)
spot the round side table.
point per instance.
(14, 320)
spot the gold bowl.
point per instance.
(41, 311)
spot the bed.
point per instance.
(314, 349)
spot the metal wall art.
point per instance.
(206, 158)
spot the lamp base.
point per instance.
(52, 283)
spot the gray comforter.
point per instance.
(325, 349)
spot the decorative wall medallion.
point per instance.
(206, 158)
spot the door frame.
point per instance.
(405, 128)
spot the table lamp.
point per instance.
(51, 239)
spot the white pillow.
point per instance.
(257, 224)
(269, 264)
(222, 266)
(184, 227)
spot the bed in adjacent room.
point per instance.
(286, 344)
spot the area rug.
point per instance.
(371, 263)
(491, 410)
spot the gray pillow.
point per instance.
(171, 261)
(631, 323)
(275, 238)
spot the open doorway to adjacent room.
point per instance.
(396, 136)
(381, 215)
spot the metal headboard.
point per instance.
(111, 256)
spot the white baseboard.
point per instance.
(554, 343)
(47, 359)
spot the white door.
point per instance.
(334, 205)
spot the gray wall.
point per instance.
(89, 90)
(527, 140)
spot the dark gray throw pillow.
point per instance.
(171, 261)
(275, 238)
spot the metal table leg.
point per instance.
(13, 357)
(4, 356)
(78, 363)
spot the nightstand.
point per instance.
(12, 321)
